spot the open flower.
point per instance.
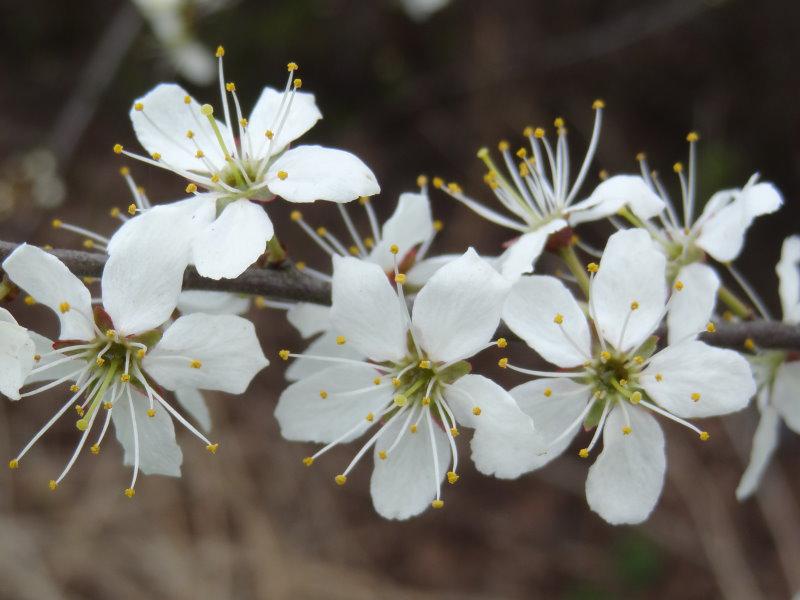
(240, 168)
(540, 197)
(616, 383)
(777, 374)
(414, 387)
(117, 359)
(17, 350)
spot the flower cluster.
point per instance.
(395, 358)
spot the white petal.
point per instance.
(51, 283)
(614, 193)
(163, 123)
(212, 303)
(504, 440)
(303, 415)
(193, 403)
(552, 414)
(324, 345)
(317, 173)
(422, 271)
(403, 485)
(226, 346)
(367, 310)
(631, 270)
(233, 241)
(530, 312)
(786, 394)
(16, 357)
(309, 318)
(521, 256)
(159, 453)
(788, 270)
(302, 117)
(625, 481)
(457, 312)
(721, 377)
(691, 307)
(765, 441)
(410, 225)
(761, 199)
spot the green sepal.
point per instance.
(455, 371)
(148, 338)
(648, 347)
(593, 417)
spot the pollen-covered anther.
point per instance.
(130, 492)
(29, 300)
(292, 66)
(340, 340)
(438, 225)
(13, 464)
(323, 394)
(623, 382)
(636, 397)
(298, 83)
(363, 200)
(558, 122)
(322, 232)
(131, 209)
(308, 461)
(558, 319)
(598, 104)
(207, 110)
(678, 167)
(230, 86)
(476, 410)
(501, 342)
(111, 334)
(438, 182)
(394, 249)
(400, 400)
(605, 356)
(37, 358)
(187, 99)
(426, 401)
(377, 381)
(454, 431)
(95, 449)
(156, 156)
(704, 436)
(195, 364)
(88, 244)
(502, 363)
(710, 327)
(626, 430)
(413, 428)
(692, 136)
(422, 180)
(522, 153)
(56, 223)
(100, 361)
(437, 503)
(695, 397)
(354, 250)
(592, 267)
(370, 417)
(548, 392)
(53, 485)
(396, 382)
(340, 479)
(634, 305)
(659, 377)
(299, 265)
(79, 410)
(400, 278)
(282, 175)
(212, 448)
(108, 405)
(151, 412)
(583, 453)
(382, 454)
(118, 148)
(269, 134)
(750, 344)
(141, 352)
(424, 364)
(638, 359)
(73, 388)
(220, 52)
(64, 307)
(503, 145)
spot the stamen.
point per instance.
(351, 228)
(297, 217)
(669, 415)
(437, 483)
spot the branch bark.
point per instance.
(287, 283)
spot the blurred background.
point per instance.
(411, 87)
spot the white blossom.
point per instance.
(17, 350)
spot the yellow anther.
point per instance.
(56, 223)
(395, 382)
(438, 182)
(296, 215)
(603, 174)
(400, 400)
(88, 280)
(558, 319)
(220, 52)
(677, 167)
(340, 479)
(659, 377)
(230, 86)
(638, 359)
(141, 352)
(400, 278)
(298, 83)
(340, 340)
(426, 401)
(476, 410)
(322, 232)
(125, 378)
(88, 244)
(437, 503)
(323, 394)
(749, 344)
(37, 357)
(300, 265)
(523, 169)
(626, 430)
(394, 249)
(605, 355)
(269, 133)
(695, 397)
(190, 134)
(528, 131)
(502, 145)
(377, 381)
(151, 412)
(583, 453)
(634, 305)
(53, 484)
(454, 431)
(522, 153)
(130, 492)
(207, 110)
(438, 225)
(370, 417)
(501, 342)
(369, 242)
(363, 200)
(502, 363)
(282, 175)
(640, 156)
(139, 107)
(704, 436)
(548, 392)
(284, 354)
(212, 448)
(623, 382)
(354, 250)
(636, 397)
(292, 66)
(710, 327)
(108, 405)
(73, 388)
(195, 364)
(692, 136)
(13, 464)
(598, 104)
(574, 239)
(383, 455)
(424, 364)
(117, 148)
(82, 424)
(100, 361)
(79, 410)
(452, 477)
(199, 154)
(95, 449)
(29, 300)
(558, 122)
(422, 180)
(187, 99)
(679, 285)
(156, 155)
(308, 461)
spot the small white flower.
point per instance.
(17, 352)
(239, 168)
(117, 359)
(414, 387)
(619, 381)
(777, 375)
(540, 197)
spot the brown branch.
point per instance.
(288, 283)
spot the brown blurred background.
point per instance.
(409, 97)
